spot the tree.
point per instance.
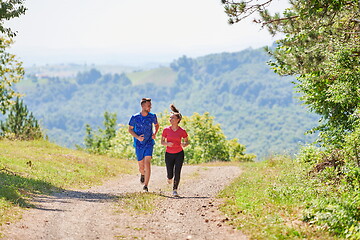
(88, 77)
(20, 123)
(322, 48)
(100, 142)
(11, 70)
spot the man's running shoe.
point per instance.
(145, 188)
(175, 194)
(169, 181)
(142, 179)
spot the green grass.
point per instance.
(160, 76)
(267, 201)
(140, 203)
(31, 167)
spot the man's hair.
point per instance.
(144, 100)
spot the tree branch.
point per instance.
(278, 20)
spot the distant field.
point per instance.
(71, 70)
(163, 76)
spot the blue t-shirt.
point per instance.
(143, 126)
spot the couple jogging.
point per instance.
(173, 137)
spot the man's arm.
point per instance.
(131, 131)
(157, 126)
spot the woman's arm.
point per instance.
(185, 142)
(165, 143)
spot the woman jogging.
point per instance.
(174, 138)
(141, 128)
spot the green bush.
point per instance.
(335, 174)
(207, 142)
(352, 147)
(100, 141)
(340, 215)
(20, 124)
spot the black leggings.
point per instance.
(174, 162)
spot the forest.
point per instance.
(263, 100)
(251, 103)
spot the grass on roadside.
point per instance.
(30, 167)
(139, 203)
(268, 199)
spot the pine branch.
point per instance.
(277, 20)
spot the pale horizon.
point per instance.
(129, 33)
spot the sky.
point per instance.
(129, 32)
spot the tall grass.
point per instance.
(30, 167)
(269, 199)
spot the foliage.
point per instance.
(297, 198)
(88, 77)
(251, 103)
(268, 200)
(207, 142)
(321, 46)
(20, 123)
(10, 9)
(11, 70)
(336, 174)
(100, 142)
(352, 148)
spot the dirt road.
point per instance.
(94, 213)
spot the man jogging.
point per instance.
(141, 128)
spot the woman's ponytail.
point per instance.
(175, 112)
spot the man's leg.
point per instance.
(142, 171)
(140, 158)
(141, 167)
(147, 169)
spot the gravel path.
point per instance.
(94, 213)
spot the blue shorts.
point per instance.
(143, 152)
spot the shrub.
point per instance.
(100, 141)
(207, 142)
(20, 124)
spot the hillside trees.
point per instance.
(250, 101)
(88, 77)
(11, 70)
(20, 124)
(322, 48)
